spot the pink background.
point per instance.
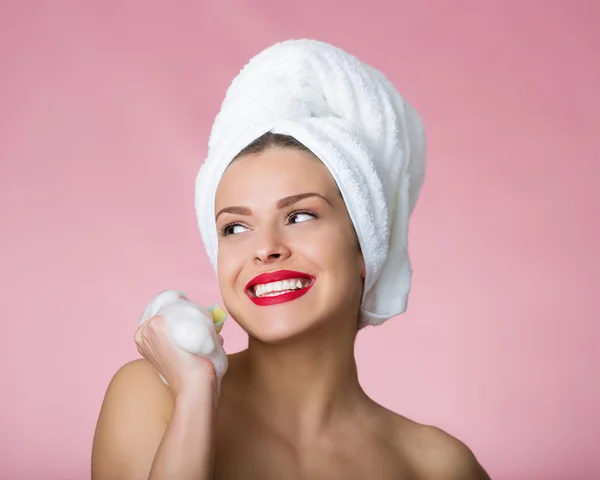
(105, 111)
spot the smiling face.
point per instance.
(288, 259)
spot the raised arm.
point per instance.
(150, 431)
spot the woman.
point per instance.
(309, 245)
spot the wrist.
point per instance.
(197, 394)
(196, 409)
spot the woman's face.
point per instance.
(288, 258)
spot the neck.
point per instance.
(306, 385)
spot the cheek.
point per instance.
(230, 261)
(333, 248)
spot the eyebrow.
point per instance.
(281, 203)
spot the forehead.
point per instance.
(273, 174)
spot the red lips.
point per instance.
(277, 276)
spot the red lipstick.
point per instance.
(278, 276)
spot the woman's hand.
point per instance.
(185, 373)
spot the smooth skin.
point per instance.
(291, 405)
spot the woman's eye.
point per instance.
(299, 217)
(233, 229)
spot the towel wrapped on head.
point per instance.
(353, 119)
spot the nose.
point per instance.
(270, 247)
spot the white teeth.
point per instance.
(278, 288)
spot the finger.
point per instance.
(155, 326)
(137, 337)
(221, 340)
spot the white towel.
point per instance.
(353, 119)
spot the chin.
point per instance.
(278, 323)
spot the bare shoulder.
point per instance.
(138, 384)
(435, 454)
(133, 418)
